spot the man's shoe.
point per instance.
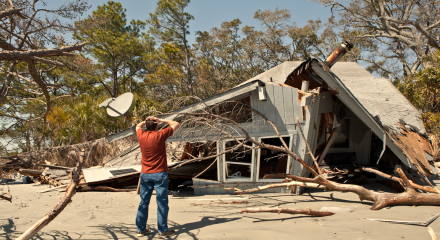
(166, 233)
(143, 233)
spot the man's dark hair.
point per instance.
(150, 125)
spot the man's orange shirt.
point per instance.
(154, 153)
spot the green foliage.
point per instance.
(423, 90)
(119, 48)
(81, 120)
(169, 23)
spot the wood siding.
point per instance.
(282, 107)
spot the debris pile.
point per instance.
(53, 177)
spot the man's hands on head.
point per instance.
(173, 124)
(152, 118)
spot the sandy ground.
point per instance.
(97, 215)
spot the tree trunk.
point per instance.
(380, 200)
(414, 185)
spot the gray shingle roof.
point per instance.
(379, 96)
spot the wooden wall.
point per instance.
(282, 107)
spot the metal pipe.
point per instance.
(346, 46)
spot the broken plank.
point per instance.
(300, 92)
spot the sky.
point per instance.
(209, 13)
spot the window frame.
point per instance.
(289, 159)
(225, 164)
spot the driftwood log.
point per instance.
(102, 189)
(288, 210)
(58, 208)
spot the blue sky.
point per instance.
(209, 13)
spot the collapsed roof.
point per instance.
(374, 100)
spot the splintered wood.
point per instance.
(415, 147)
(53, 177)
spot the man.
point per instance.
(154, 173)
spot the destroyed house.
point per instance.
(349, 117)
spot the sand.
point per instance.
(99, 215)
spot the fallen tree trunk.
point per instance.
(288, 184)
(58, 208)
(288, 210)
(380, 200)
(414, 185)
(102, 189)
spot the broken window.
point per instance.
(272, 161)
(238, 163)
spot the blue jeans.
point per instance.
(159, 181)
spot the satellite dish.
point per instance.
(117, 107)
(106, 102)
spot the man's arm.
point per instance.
(173, 124)
(140, 125)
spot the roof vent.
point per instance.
(345, 46)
